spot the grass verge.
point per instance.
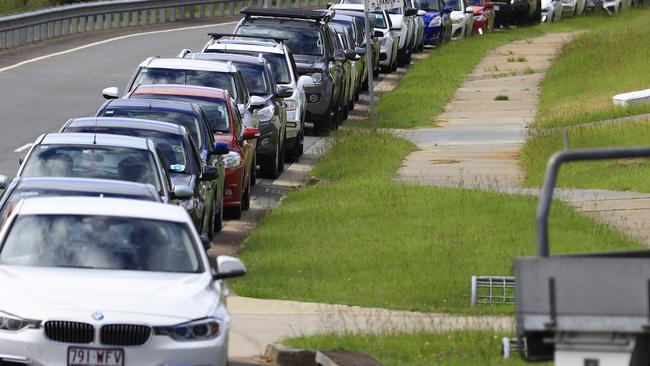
(362, 239)
(620, 175)
(468, 348)
(611, 58)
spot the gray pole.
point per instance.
(371, 81)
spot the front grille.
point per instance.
(125, 334)
(69, 332)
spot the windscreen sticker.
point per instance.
(177, 168)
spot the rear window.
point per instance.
(212, 79)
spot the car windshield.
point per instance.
(301, 41)
(20, 193)
(454, 4)
(187, 120)
(377, 20)
(429, 5)
(103, 162)
(214, 109)
(100, 242)
(394, 11)
(355, 2)
(255, 79)
(474, 3)
(212, 79)
(173, 147)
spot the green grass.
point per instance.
(621, 175)
(15, 6)
(611, 58)
(359, 238)
(468, 348)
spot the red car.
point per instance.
(226, 123)
(483, 16)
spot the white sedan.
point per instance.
(551, 11)
(106, 281)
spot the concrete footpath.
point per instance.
(477, 144)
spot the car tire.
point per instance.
(246, 198)
(218, 219)
(253, 172)
(210, 230)
(269, 164)
(234, 213)
(281, 158)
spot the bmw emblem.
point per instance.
(98, 316)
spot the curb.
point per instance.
(279, 355)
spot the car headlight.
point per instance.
(290, 104)
(479, 17)
(197, 330)
(317, 77)
(436, 22)
(13, 323)
(458, 20)
(232, 159)
(265, 114)
(187, 204)
(384, 40)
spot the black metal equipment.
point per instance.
(316, 15)
(586, 309)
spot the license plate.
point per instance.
(496, 7)
(95, 357)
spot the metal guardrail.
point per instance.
(493, 290)
(37, 26)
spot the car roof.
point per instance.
(245, 45)
(88, 185)
(188, 64)
(187, 90)
(292, 22)
(75, 138)
(355, 7)
(167, 105)
(235, 58)
(102, 206)
(134, 123)
(344, 17)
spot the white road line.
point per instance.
(107, 41)
(24, 147)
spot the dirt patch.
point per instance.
(445, 161)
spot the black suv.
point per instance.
(314, 47)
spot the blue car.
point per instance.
(437, 22)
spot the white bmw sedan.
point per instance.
(106, 281)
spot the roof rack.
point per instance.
(317, 15)
(217, 36)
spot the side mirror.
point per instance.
(469, 10)
(377, 34)
(447, 9)
(360, 51)
(396, 28)
(285, 92)
(305, 80)
(257, 102)
(350, 55)
(228, 267)
(209, 173)
(409, 12)
(182, 192)
(206, 242)
(251, 133)
(339, 55)
(421, 13)
(184, 52)
(21, 159)
(221, 148)
(111, 93)
(4, 181)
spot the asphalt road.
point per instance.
(40, 96)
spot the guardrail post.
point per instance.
(91, 23)
(30, 34)
(202, 11)
(172, 14)
(278, 4)
(181, 13)
(74, 25)
(82, 24)
(232, 8)
(211, 10)
(143, 17)
(221, 9)
(65, 27)
(2, 40)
